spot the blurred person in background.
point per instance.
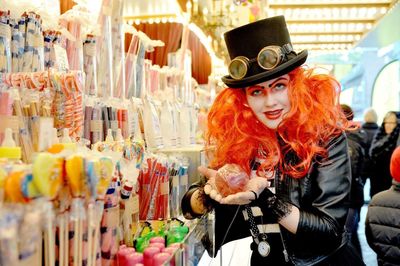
(382, 224)
(370, 127)
(381, 150)
(356, 147)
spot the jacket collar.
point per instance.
(396, 185)
(370, 126)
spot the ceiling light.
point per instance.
(362, 12)
(372, 12)
(188, 6)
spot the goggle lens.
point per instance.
(238, 68)
(268, 58)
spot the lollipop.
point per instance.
(47, 173)
(106, 173)
(74, 167)
(12, 187)
(230, 179)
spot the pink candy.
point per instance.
(170, 250)
(148, 255)
(157, 244)
(160, 258)
(134, 259)
(157, 239)
(125, 255)
(231, 179)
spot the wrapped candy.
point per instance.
(231, 179)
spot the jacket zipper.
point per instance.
(285, 253)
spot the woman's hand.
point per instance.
(210, 188)
(254, 188)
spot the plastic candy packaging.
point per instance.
(231, 179)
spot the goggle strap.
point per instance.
(287, 48)
(252, 60)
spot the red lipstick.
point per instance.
(272, 115)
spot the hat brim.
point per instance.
(267, 75)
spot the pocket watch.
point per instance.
(263, 247)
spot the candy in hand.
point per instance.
(231, 179)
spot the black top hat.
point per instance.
(250, 39)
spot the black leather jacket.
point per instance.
(382, 225)
(323, 199)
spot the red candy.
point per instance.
(231, 179)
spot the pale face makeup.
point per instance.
(269, 101)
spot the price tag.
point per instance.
(132, 57)
(164, 188)
(175, 181)
(114, 125)
(135, 203)
(38, 41)
(90, 49)
(61, 57)
(45, 132)
(96, 125)
(184, 180)
(8, 121)
(107, 11)
(5, 31)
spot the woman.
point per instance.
(381, 150)
(282, 124)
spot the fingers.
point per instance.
(210, 190)
(215, 195)
(258, 184)
(218, 198)
(207, 188)
(207, 172)
(239, 198)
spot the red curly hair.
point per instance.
(315, 117)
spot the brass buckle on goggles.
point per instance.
(268, 58)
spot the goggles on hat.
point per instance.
(268, 58)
